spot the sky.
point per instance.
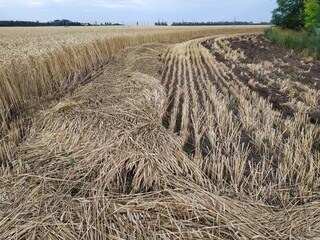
(146, 12)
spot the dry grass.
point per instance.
(44, 64)
(98, 164)
(247, 149)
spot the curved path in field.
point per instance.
(173, 148)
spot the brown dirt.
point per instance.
(291, 63)
(285, 65)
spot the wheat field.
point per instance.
(157, 133)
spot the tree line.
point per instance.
(183, 23)
(297, 14)
(62, 22)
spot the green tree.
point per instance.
(289, 14)
(312, 14)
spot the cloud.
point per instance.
(116, 4)
(34, 2)
(101, 3)
(129, 11)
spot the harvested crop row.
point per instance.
(100, 165)
(234, 133)
(291, 83)
(40, 67)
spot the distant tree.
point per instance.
(216, 23)
(161, 23)
(289, 14)
(63, 22)
(312, 14)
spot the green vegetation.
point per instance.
(297, 40)
(188, 148)
(297, 14)
(312, 14)
(72, 162)
(289, 14)
(303, 16)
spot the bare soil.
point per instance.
(285, 65)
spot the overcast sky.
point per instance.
(131, 11)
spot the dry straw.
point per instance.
(40, 68)
(99, 164)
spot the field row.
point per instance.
(99, 163)
(44, 64)
(242, 138)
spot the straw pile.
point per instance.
(99, 165)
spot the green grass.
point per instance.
(301, 41)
